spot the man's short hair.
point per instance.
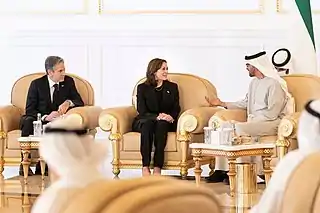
(51, 61)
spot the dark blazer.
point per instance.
(39, 99)
(147, 102)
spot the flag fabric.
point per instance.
(301, 38)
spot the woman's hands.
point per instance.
(166, 117)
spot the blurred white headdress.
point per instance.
(70, 152)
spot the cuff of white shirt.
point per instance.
(71, 103)
(43, 117)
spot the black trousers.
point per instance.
(26, 127)
(153, 131)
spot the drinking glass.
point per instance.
(207, 134)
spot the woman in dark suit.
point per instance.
(158, 108)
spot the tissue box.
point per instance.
(215, 137)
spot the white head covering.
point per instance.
(262, 63)
(309, 128)
(74, 156)
(70, 152)
(309, 142)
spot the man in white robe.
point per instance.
(74, 156)
(282, 61)
(266, 102)
(308, 141)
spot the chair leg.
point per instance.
(184, 172)
(115, 169)
(1, 165)
(212, 166)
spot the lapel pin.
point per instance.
(168, 91)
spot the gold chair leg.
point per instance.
(282, 147)
(184, 139)
(2, 162)
(212, 166)
(115, 140)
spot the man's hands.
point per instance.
(215, 102)
(64, 107)
(53, 115)
(166, 117)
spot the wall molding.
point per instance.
(181, 33)
(103, 9)
(280, 8)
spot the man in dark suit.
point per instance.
(51, 95)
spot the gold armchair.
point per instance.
(153, 194)
(10, 116)
(195, 114)
(303, 88)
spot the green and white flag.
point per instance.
(302, 39)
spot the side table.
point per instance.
(201, 150)
(26, 145)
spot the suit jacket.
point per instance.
(147, 102)
(39, 98)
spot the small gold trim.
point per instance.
(280, 8)
(101, 10)
(3, 135)
(200, 152)
(62, 12)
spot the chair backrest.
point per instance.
(20, 89)
(303, 88)
(192, 90)
(143, 195)
(302, 192)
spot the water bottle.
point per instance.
(207, 135)
(37, 126)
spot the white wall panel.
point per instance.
(44, 7)
(286, 5)
(29, 58)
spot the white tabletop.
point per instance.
(232, 148)
(29, 139)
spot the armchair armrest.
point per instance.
(117, 120)
(194, 120)
(287, 130)
(87, 115)
(289, 125)
(239, 115)
(9, 118)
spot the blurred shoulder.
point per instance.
(171, 84)
(68, 79)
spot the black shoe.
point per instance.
(226, 181)
(21, 173)
(38, 169)
(217, 176)
(263, 177)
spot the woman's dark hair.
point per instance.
(153, 66)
